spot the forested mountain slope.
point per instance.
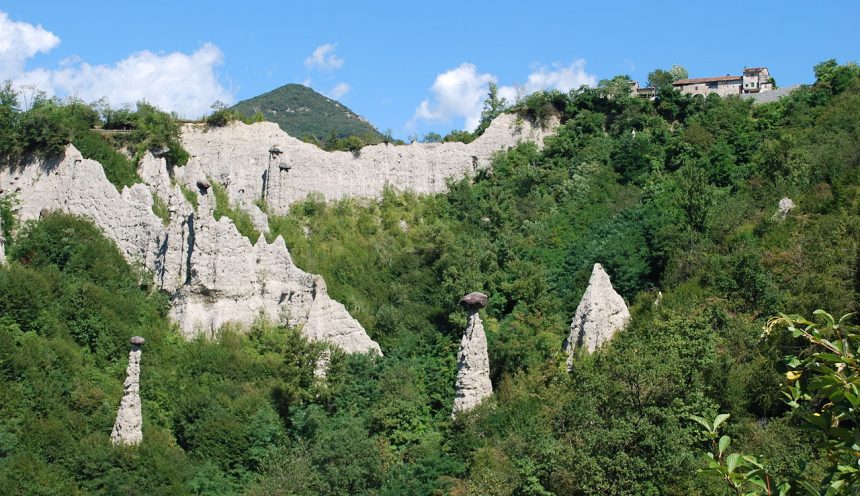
(302, 112)
(675, 198)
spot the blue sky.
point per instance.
(407, 66)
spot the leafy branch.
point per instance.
(744, 474)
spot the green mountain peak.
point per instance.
(300, 111)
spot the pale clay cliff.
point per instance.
(600, 314)
(260, 161)
(214, 274)
(128, 428)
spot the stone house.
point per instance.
(642, 92)
(753, 80)
(721, 85)
(757, 80)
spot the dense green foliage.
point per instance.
(222, 115)
(823, 386)
(675, 197)
(241, 219)
(302, 112)
(68, 305)
(97, 131)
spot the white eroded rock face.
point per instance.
(128, 428)
(260, 161)
(79, 186)
(473, 367)
(600, 314)
(213, 273)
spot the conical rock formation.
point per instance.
(128, 428)
(600, 314)
(473, 364)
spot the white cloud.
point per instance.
(178, 82)
(20, 41)
(457, 93)
(324, 59)
(183, 83)
(338, 91)
(460, 92)
(562, 78)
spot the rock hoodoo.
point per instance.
(785, 206)
(600, 314)
(128, 428)
(2, 244)
(473, 363)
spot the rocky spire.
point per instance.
(128, 428)
(2, 244)
(473, 364)
(600, 313)
(785, 205)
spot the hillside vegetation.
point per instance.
(117, 139)
(675, 197)
(303, 113)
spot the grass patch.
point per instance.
(190, 195)
(120, 171)
(159, 208)
(241, 218)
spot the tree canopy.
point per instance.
(676, 197)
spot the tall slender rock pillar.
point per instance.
(2, 244)
(473, 363)
(128, 428)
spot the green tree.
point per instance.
(660, 78)
(9, 114)
(678, 72)
(432, 137)
(663, 79)
(824, 386)
(493, 106)
(617, 87)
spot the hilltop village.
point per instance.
(753, 80)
